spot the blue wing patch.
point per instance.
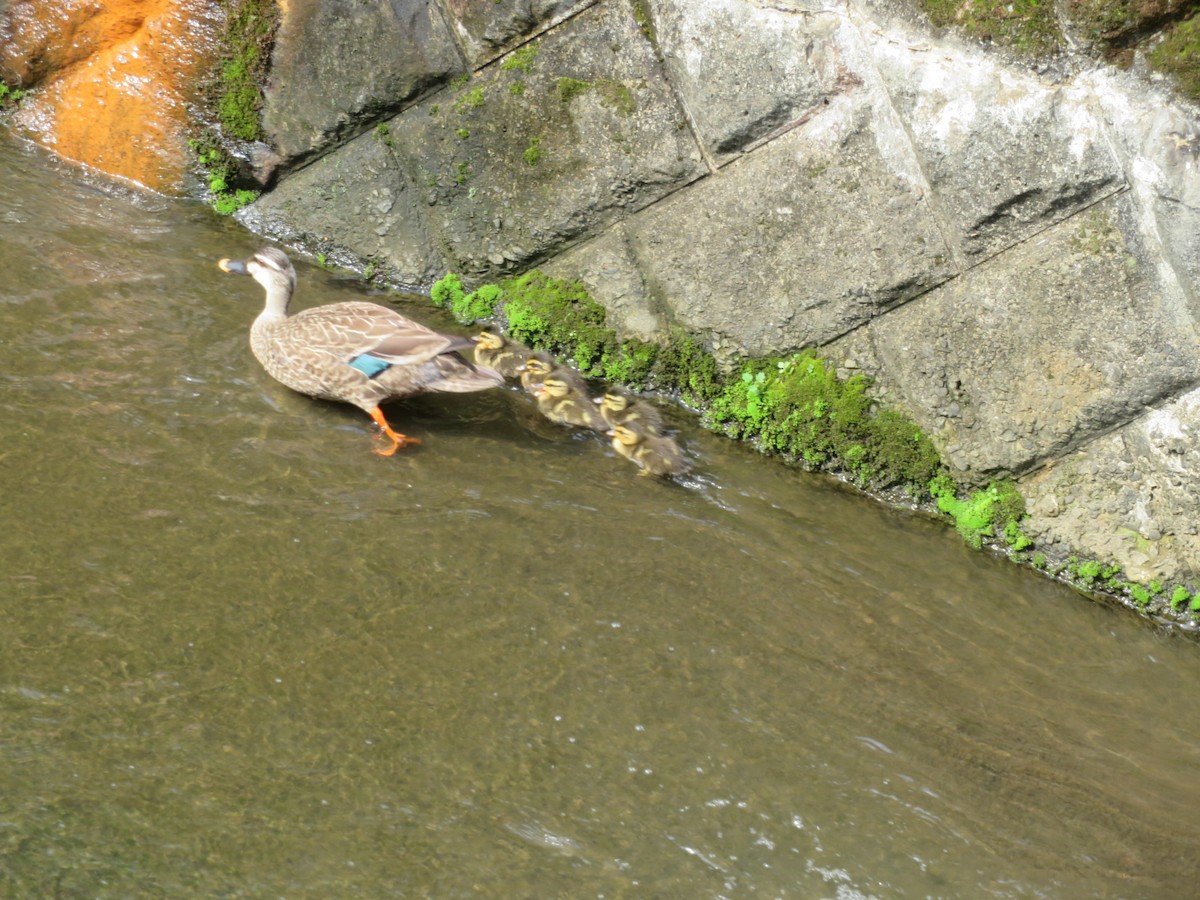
(369, 365)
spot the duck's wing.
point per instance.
(354, 328)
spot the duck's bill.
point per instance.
(236, 266)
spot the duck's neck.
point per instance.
(276, 307)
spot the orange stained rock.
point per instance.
(111, 80)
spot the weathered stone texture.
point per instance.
(1129, 497)
(521, 160)
(796, 265)
(388, 229)
(1006, 155)
(338, 65)
(488, 29)
(1029, 357)
(744, 72)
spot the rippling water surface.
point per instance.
(244, 656)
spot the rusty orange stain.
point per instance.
(113, 79)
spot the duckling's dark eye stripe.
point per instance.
(369, 365)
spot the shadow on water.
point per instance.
(243, 656)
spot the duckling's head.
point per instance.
(556, 386)
(538, 364)
(614, 401)
(489, 340)
(626, 435)
(270, 267)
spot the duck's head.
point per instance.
(270, 267)
(489, 340)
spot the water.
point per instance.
(245, 657)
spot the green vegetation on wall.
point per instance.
(1179, 56)
(1028, 26)
(245, 57)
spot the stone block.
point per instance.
(340, 65)
(1032, 354)
(356, 205)
(764, 271)
(1005, 153)
(746, 71)
(548, 145)
(489, 29)
(1128, 497)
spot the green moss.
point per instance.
(570, 88)
(521, 59)
(220, 174)
(245, 57)
(462, 133)
(616, 96)
(1028, 26)
(466, 307)
(800, 408)
(383, 134)
(472, 99)
(1178, 55)
(994, 511)
(533, 153)
(517, 88)
(9, 96)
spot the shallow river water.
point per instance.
(243, 656)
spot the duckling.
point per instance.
(353, 352)
(563, 398)
(500, 353)
(618, 408)
(654, 454)
(537, 366)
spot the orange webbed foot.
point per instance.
(398, 440)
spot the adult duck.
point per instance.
(353, 352)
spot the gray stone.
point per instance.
(1156, 523)
(310, 209)
(518, 164)
(1005, 154)
(745, 71)
(488, 29)
(1062, 319)
(770, 269)
(340, 65)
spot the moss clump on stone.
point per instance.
(994, 512)
(521, 59)
(1028, 26)
(1178, 55)
(800, 408)
(245, 57)
(570, 88)
(465, 307)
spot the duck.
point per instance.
(563, 398)
(537, 366)
(498, 352)
(618, 408)
(654, 454)
(353, 352)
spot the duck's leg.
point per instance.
(398, 440)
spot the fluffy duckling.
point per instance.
(563, 398)
(654, 454)
(618, 408)
(537, 366)
(500, 353)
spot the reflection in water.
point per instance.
(245, 656)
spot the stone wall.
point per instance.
(1011, 254)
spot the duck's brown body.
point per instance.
(654, 454)
(354, 352)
